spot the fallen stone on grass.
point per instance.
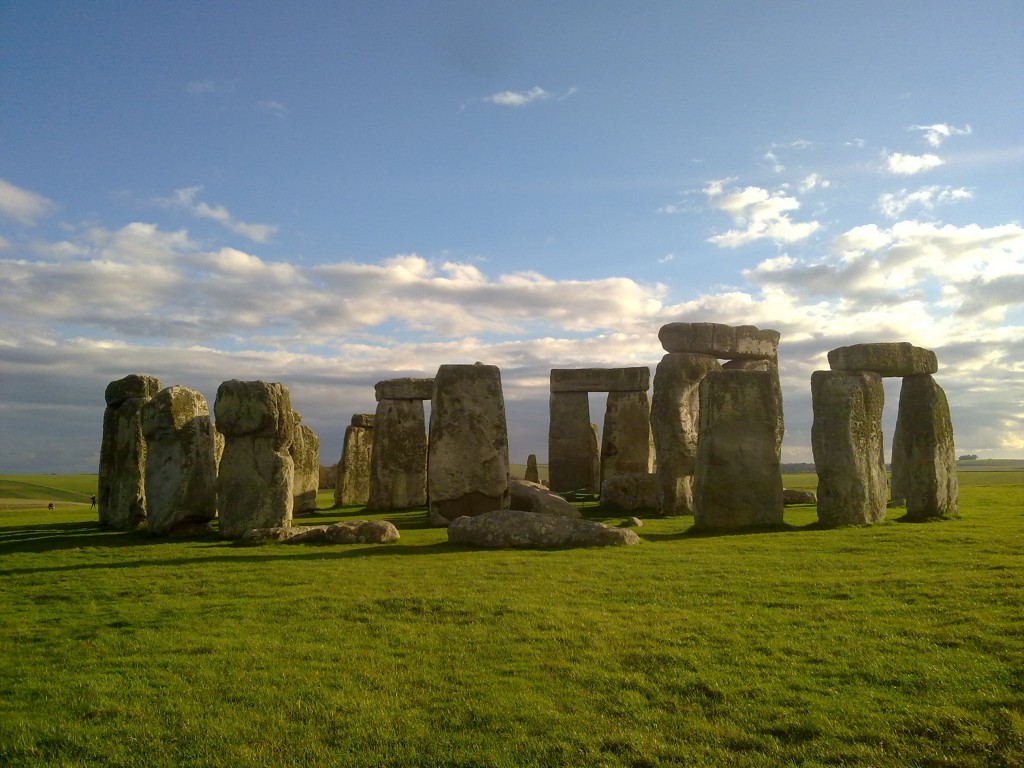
(798, 496)
(632, 522)
(513, 528)
(354, 532)
(534, 497)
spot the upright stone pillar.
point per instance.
(627, 446)
(121, 498)
(675, 410)
(771, 367)
(737, 479)
(532, 474)
(467, 469)
(353, 476)
(398, 468)
(256, 480)
(305, 453)
(574, 456)
(923, 454)
(181, 468)
(846, 440)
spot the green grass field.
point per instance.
(892, 645)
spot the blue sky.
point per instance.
(330, 194)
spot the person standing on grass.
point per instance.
(92, 501)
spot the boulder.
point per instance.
(398, 457)
(512, 528)
(886, 359)
(181, 468)
(846, 439)
(634, 490)
(738, 479)
(404, 389)
(798, 496)
(305, 453)
(675, 413)
(467, 466)
(533, 497)
(355, 467)
(626, 445)
(923, 454)
(256, 476)
(574, 451)
(600, 379)
(727, 342)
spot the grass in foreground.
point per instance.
(898, 644)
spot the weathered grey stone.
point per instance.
(798, 496)
(632, 522)
(533, 497)
(887, 359)
(600, 379)
(355, 467)
(635, 490)
(765, 366)
(181, 469)
(923, 454)
(398, 460)
(256, 476)
(627, 446)
(218, 445)
(728, 342)
(738, 479)
(467, 468)
(131, 387)
(328, 477)
(305, 453)
(675, 413)
(348, 532)
(121, 491)
(512, 528)
(574, 453)
(365, 420)
(532, 474)
(846, 439)
(404, 389)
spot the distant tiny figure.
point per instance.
(50, 505)
(92, 501)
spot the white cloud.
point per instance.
(909, 165)
(895, 204)
(760, 214)
(938, 133)
(275, 108)
(772, 162)
(813, 181)
(185, 199)
(520, 98)
(21, 205)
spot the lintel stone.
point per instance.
(404, 389)
(727, 342)
(886, 359)
(600, 379)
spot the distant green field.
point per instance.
(77, 488)
(884, 646)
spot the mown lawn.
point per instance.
(894, 645)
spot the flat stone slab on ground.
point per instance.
(886, 359)
(349, 532)
(534, 497)
(514, 529)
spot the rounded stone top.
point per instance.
(886, 359)
(132, 385)
(254, 408)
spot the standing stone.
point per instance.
(121, 497)
(305, 453)
(631, 491)
(398, 456)
(254, 487)
(532, 474)
(627, 446)
(181, 468)
(767, 366)
(574, 454)
(923, 454)
(738, 479)
(675, 410)
(467, 469)
(846, 440)
(353, 481)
